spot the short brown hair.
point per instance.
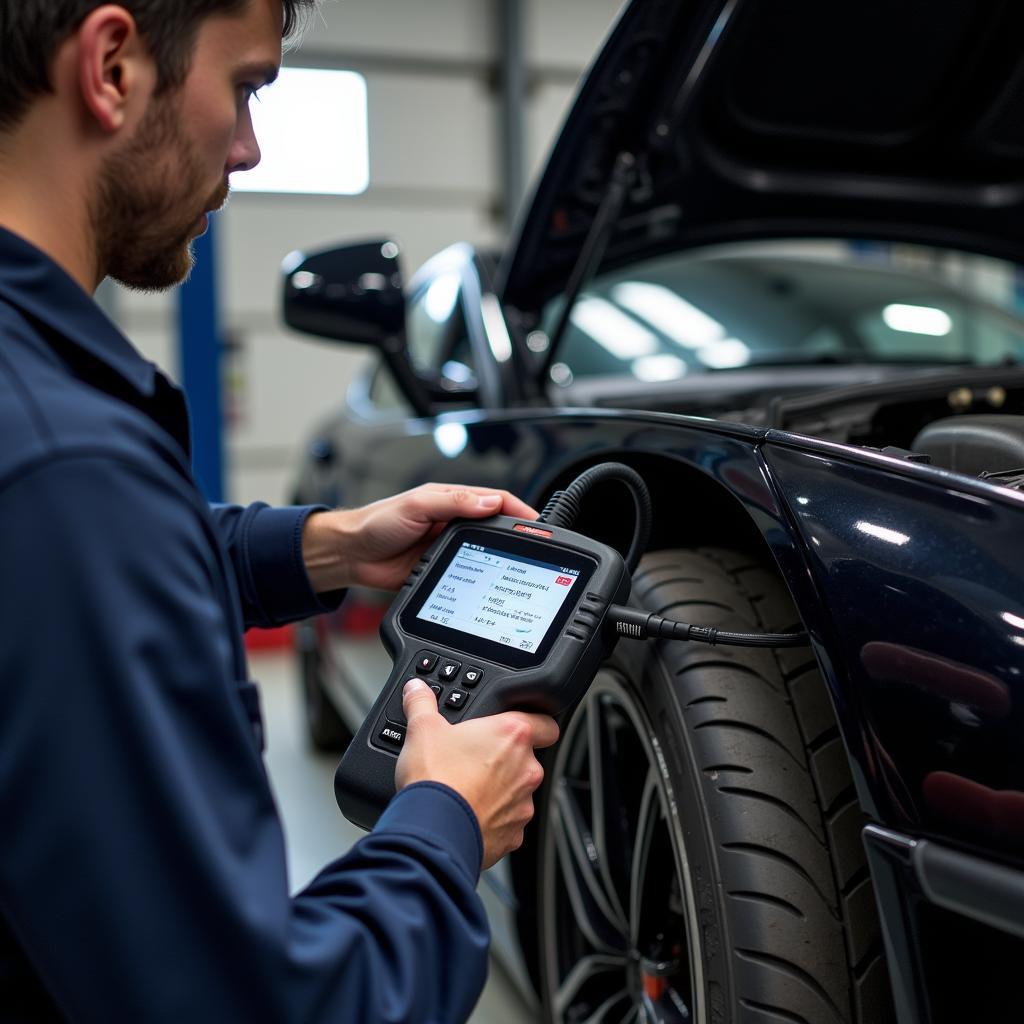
(32, 31)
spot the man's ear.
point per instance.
(114, 65)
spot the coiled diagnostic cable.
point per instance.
(563, 508)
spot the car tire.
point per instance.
(325, 729)
(700, 852)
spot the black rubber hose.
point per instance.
(563, 507)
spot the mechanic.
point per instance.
(142, 872)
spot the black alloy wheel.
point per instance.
(699, 847)
(617, 938)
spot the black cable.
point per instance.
(638, 625)
(563, 507)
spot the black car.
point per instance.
(772, 266)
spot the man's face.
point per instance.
(156, 189)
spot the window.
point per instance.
(312, 128)
(684, 314)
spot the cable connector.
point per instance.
(639, 625)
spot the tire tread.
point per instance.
(798, 901)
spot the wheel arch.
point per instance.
(711, 511)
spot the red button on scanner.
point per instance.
(425, 661)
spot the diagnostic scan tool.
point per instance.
(501, 614)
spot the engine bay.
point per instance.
(967, 419)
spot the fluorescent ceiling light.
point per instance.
(312, 129)
(883, 533)
(494, 326)
(724, 354)
(917, 319)
(443, 293)
(451, 439)
(671, 314)
(456, 371)
(612, 329)
(658, 368)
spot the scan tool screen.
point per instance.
(507, 599)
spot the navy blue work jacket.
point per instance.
(142, 863)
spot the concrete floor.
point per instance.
(315, 831)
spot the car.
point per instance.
(773, 266)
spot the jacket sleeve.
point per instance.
(265, 547)
(143, 869)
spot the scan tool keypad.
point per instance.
(452, 680)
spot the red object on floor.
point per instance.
(354, 618)
(361, 618)
(269, 639)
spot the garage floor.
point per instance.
(314, 828)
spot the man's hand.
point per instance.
(488, 761)
(377, 545)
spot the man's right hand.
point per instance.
(488, 761)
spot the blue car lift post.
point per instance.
(200, 354)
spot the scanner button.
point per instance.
(472, 676)
(425, 661)
(448, 671)
(393, 735)
(456, 699)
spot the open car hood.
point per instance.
(899, 120)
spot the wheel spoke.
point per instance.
(605, 795)
(667, 1011)
(584, 970)
(594, 913)
(606, 1012)
(650, 810)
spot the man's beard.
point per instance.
(145, 213)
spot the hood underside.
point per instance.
(885, 119)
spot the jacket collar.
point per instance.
(32, 282)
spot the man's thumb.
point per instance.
(418, 700)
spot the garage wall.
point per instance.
(430, 67)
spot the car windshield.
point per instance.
(791, 304)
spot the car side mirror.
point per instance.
(352, 293)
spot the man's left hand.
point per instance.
(377, 545)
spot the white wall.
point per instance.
(435, 179)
